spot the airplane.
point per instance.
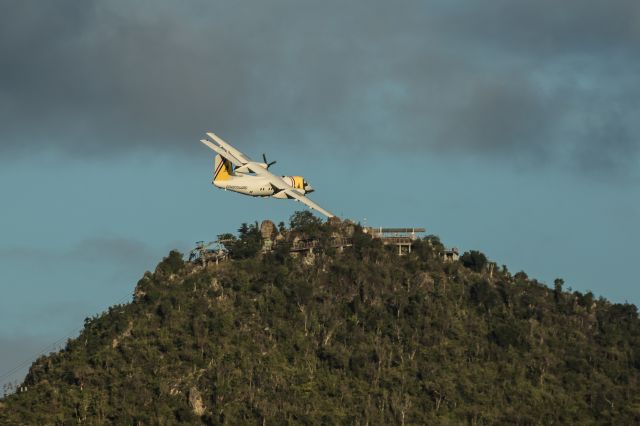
(234, 171)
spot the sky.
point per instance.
(508, 126)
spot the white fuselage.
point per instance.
(249, 185)
(256, 186)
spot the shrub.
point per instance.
(474, 260)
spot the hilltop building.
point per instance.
(402, 238)
(451, 255)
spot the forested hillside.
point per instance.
(360, 336)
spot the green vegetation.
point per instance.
(246, 245)
(474, 260)
(359, 336)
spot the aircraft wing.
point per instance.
(292, 193)
(230, 149)
(242, 160)
(226, 154)
(276, 181)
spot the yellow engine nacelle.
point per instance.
(295, 181)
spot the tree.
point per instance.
(434, 241)
(474, 260)
(557, 288)
(305, 221)
(171, 264)
(249, 242)
(228, 240)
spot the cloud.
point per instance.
(109, 250)
(532, 81)
(119, 250)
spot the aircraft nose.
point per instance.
(308, 188)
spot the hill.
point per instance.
(358, 336)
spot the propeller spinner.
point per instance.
(264, 157)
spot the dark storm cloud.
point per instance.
(531, 80)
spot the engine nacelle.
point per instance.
(298, 182)
(295, 181)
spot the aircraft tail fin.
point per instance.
(222, 169)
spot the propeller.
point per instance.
(264, 157)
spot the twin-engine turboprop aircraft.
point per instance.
(234, 171)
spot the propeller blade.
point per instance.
(264, 158)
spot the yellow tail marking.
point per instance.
(223, 169)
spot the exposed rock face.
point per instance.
(268, 230)
(138, 293)
(127, 333)
(334, 221)
(195, 401)
(215, 284)
(348, 228)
